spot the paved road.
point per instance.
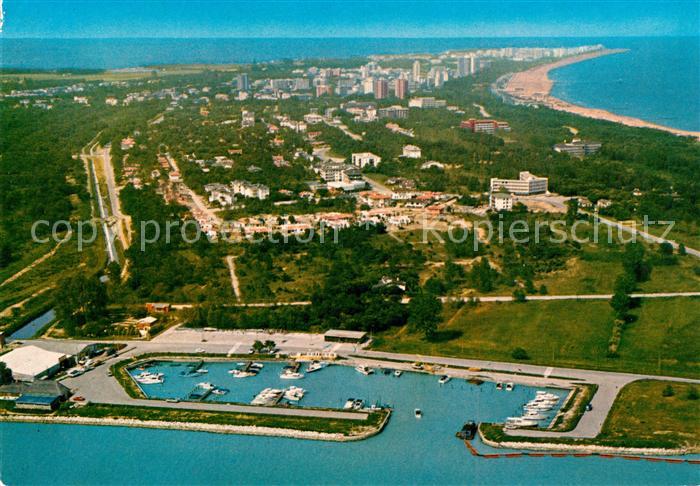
(108, 231)
(122, 221)
(510, 298)
(377, 187)
(642, 234)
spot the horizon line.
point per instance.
(5, 37)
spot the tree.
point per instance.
(519, 295)
(571, 210)
(543, 289)
(681, 250)
(80, 298)
(520, 354)
(665, 248)
(668, 391)
(258, 346)
(692, 393)
(634, 263)
(620, 303)
(114, 271)
(424, 313)
(5, 374)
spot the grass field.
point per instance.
(565, 333)
(642, 413)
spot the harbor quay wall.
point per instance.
(200, 427)
(582, 448)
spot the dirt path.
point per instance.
(230, 261)
(33, 264)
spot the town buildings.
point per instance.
(485, 126)
(401, 88)
(501, 199)
(426, 102)
(395, 112)
(578, 148)
(381, 89)
(364, 159)
(411, 152)
(524, 185)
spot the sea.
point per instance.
(409, 451)
(657, 80)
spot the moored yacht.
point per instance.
(365, 370)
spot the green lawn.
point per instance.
(641, 412)
(566, 333)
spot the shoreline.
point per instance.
(534, 87)
(198, 427)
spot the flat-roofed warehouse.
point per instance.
(341, 336)
(30, 363)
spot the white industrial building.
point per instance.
(30, 363)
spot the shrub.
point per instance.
(693, 393)
(520, 354)
(668, 391)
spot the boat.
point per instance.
(417, 413)
(291, 375)
(533, 415)
(398, 373)
(220, 391)
(348, 404)
(468, 431)
(358, 404)
(510, 386)
(499, 386)
(294, 393)
(257, 366)
(148, 378)
(444, 379)
(365, 370)
(315, 366)
(269, 396)
(241, 374)
(206, 386)
(417, 366)
(201, 371)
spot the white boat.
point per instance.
(294, 393)
(510, 386)
(315, 366)
(444, 379)
(365, 370)
(258, 366)
(418, 413)
(348, 404)
(358, 404)
(499, 386)
(291, 375)
(206, 386)
(241, 374)
(219, 391)
(398, 373)
(201, 371)
(534, 416)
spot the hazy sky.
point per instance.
(380, 18)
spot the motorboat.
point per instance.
(291, 375)
(148, 378)
(510, 386)
(444, 379)
(417, 366)
(269, 396)
(532, 415)
(201, 371)
(348, 404)
(418, 413)
(241, 374)
(257, 366)
(294, 393)
(468, 431)
(315, 366)
(398, 373)
(499, 386)
(206, 386)
(358, 404)
(365, 370)
(220, 391)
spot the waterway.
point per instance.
(408, 451)
(32, 327)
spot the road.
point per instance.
(88, 158)
(36, 262)
(510, 298)
(377, 187)
(122, 222)
(643, 234)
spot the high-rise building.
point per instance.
(401, 88)
(242, 82)
(368, 85)
(462, 67)
(416, 71)
(381, 89)
(472, 65)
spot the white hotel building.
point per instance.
(525, 185)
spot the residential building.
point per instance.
(127, 143)
(247, 118)
(501, 200)
(253, 191)
(364, 159)
(395, 112)
(485, 126)
(578, 148)
(526, 184)
(401, 88)
(411, 152)
(242, 82)
(323, 89)
(381, 89)
(426, 102)
(416, 71)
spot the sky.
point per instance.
(348, 18)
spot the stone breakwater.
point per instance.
(583, 448)
(199, 427)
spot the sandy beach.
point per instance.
(534, 86)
